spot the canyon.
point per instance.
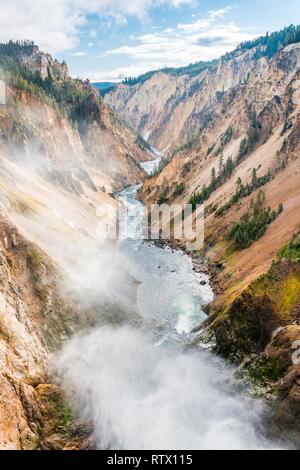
(82, 318)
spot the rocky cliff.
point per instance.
(239, 125)
(62, 153)
(170, 110)
(231, 137)
(63, 122)
(38, 61)
(35, 318)
(255, 130)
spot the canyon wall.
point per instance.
(243, 110)
(231, 141)
(60, 162)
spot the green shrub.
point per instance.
(180, 188)
(253, 226)
(216, 181)
(291, 251)
(192, 139)
(244, 191)
(227, 136)
(186, 168)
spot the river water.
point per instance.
(141, 387)
(170, 292)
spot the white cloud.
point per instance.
(184, 45)
(203, 39)
(78, 54)
(55, 24)
(118, 74)
(125, 7)
(93, 34)
(198, 25)
(51, 23)
(204, 23)
(219, 13)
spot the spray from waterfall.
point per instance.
(143, 397)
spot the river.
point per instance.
(140, 386)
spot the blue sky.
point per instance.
(108, 40)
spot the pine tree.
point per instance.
(254, 176)
(213, 176)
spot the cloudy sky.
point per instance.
(108, 40)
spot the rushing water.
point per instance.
(152, 165)
(140, 386)
(170, 292)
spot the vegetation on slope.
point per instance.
(270, 44)
(243, 191)
(14, 49)
(192, 69)
(253, 226)
(291, 251)
(225, 173)
(69, 95)
(259, 330)
(246, 324)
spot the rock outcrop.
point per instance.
(60, 161)
(35, 318)
(38, 61)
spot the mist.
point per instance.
(139, 387)
(64, 225)
(142, 396)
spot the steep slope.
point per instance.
(63, 121)
(62, 152)
(245, 121)
(251, 138)
(232, 137)
(35, 318)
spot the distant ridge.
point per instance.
(104, 87)
(267, 46)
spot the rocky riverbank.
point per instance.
(259, 331)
